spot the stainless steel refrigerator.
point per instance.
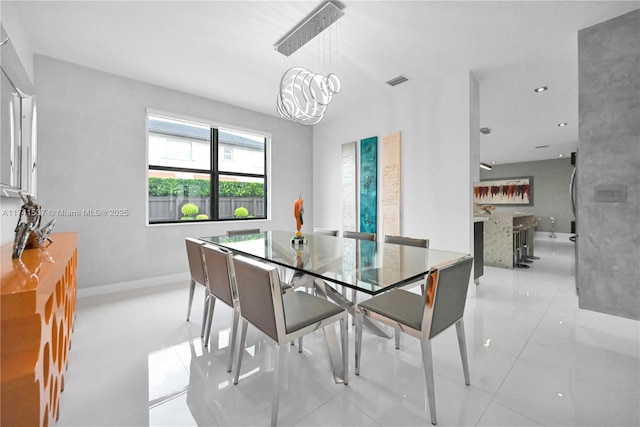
(573, 193)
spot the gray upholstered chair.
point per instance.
(282, 270)
(408, 241)
(243, 231)
(283, 317)
(221, 284)
(424, 316)
(297, 279)
(325, 231)
(359, 235)
(196, 269)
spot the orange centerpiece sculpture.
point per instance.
(298, 211)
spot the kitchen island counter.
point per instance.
(498, 236)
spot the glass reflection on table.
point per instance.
(370, 267)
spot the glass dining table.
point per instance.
(333, 262)
(365, 266)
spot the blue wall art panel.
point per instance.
(369, 184)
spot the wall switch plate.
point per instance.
(610, 193)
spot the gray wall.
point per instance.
(12, 25)
(550, 190)
(92, 154)
(608, 257)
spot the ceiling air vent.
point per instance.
(397, 80)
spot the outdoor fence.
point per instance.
(168, 208)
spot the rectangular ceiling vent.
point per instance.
(542, 146)
(397, 80)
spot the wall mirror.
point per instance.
(17, 124)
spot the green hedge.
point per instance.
(200, 188)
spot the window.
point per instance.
(228, 154)
(198, 172)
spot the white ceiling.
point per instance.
(224, 51)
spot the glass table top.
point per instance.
(370, 267)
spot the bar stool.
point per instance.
(524, 242)
(517, 246)
(529, 236)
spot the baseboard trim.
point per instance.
(132, 285)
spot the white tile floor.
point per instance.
(535, 359)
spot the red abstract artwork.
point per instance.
(512, 191)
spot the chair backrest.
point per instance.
(325, 231)
(450, 295)
(409, 241)
(359, 235)
(218, 263)
(243, 231)
(196, 262)
(259, 295)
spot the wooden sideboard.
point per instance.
(37, 305)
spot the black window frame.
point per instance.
(214, 172)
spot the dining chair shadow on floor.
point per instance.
(424, 316)
(283, 317)
(407, 241)
(221, 285)
(198, 274)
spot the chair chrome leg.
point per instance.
(328, 292)
(336, 356)
(359, 320)
(354, 301)
(427, 364)
(192, 289)
(282, 351)
(209, 311)
(234, 336)
(398, 332)
(205, 314)
(243, 338)
(293, 342)
(344, 331)
(462, 343)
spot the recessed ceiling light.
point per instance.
(560, 155)
(485, 131)
(562, 124)
(540, 89)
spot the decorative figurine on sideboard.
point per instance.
(28, 232)
(298, 211)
